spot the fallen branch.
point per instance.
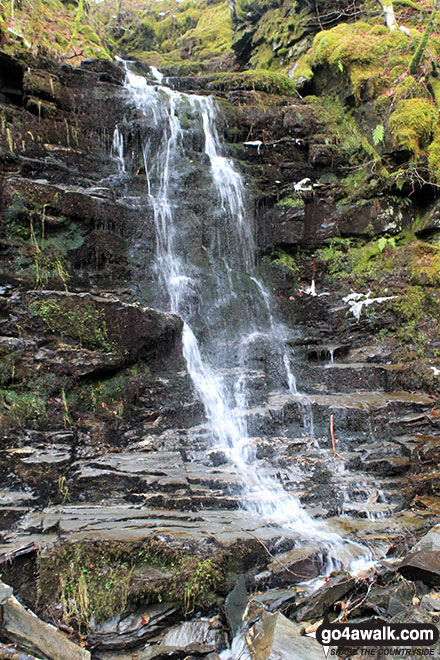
(357, 603)
(71, 57)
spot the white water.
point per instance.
(118, 148)
(209, 297)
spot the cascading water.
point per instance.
(213, 286)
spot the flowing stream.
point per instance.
(204, 271)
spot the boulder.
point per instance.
(315, 606)
(105, 323)
(274, 637)
(430, 541)
(5, 593)
(296, 565)
(423, 565)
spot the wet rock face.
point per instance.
(76, 366)
(11, 80)
(104, 438)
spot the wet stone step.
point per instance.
(369, 510)
(128, 522)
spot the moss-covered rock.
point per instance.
(105, 324)
(413, 123)
(105, 579)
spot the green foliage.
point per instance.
(69, 317)
(16, 408)
(384, 243)
(361, 261)
(103, 396)
(378, 134)
(105, 579)
(333, 256)
(294, 201)
(203, 578)
(49, 27)
(41, 257)
(90, 583)
(413, 124)
(281, 258)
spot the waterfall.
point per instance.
(204, 271)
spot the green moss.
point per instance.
(434, 158)
(409, 3)
(292, 201)
(102, 396)
(104, 579)
(302, 70)
(273, 82)
(52, 28)
(174, 35)
(413, 123)
(70, 317)
(365, 76)
(18, 408)
(409, 88)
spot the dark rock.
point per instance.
(107, 71)
(319, 602)
(131, 630)
(11, 80)
(296, 565)
(430, 541)
(422, 565)
(22, 627)
(131, 330)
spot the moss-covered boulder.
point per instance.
(105, 324)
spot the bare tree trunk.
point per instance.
(390, 18)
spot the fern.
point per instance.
(378, 134)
